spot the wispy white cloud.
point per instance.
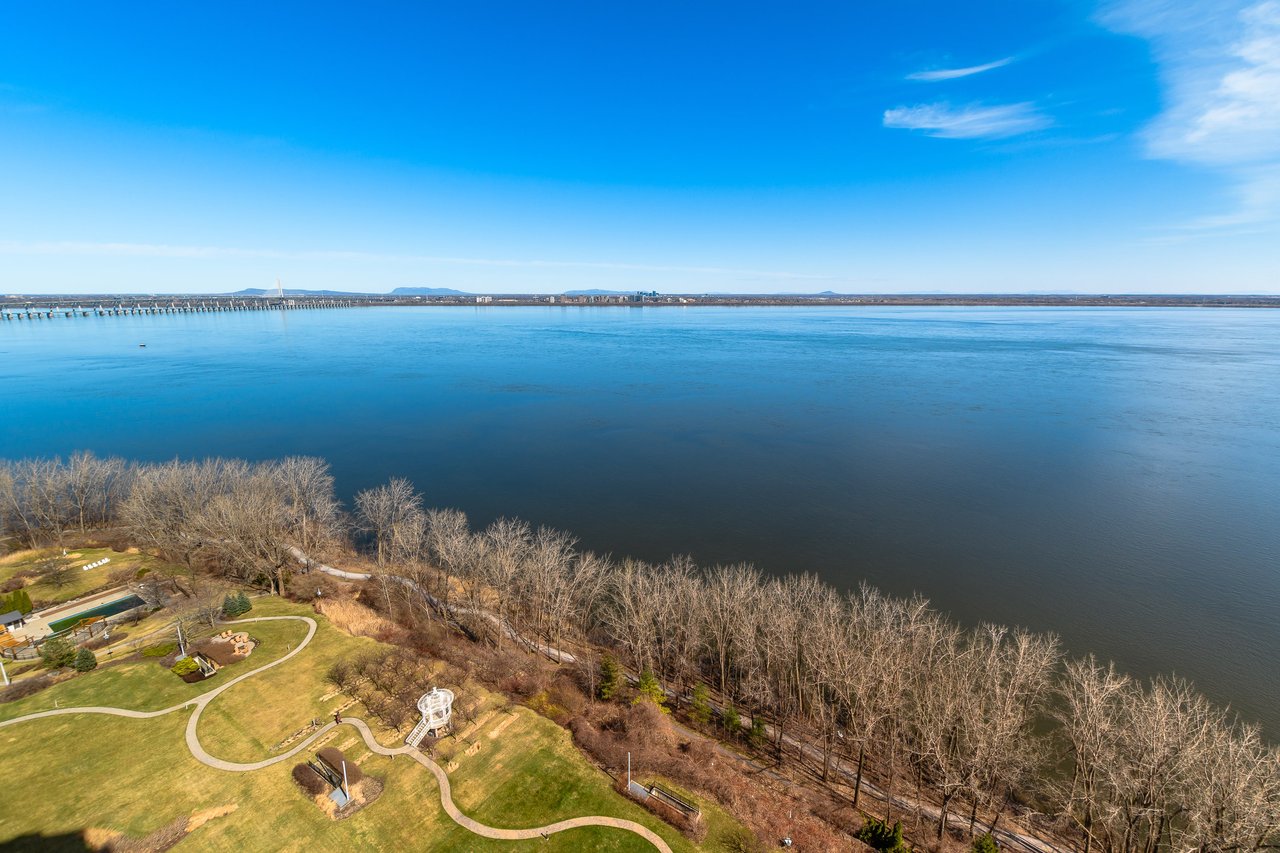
(936, 75)
(155, 250)
(1220, 69)
(973, 121)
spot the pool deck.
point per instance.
(38, 623)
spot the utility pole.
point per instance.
(5, 674)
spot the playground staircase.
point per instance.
(419, 732)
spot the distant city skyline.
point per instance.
(1130, 146)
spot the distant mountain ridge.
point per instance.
(597, 292)
(291, 291)
(428, 291)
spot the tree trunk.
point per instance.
(857, 781)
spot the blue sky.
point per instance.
(513, 147)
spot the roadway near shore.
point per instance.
(446, 796)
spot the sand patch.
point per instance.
(475, 727)
(497, 730)
(203, 816)
(164, 838)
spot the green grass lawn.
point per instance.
(146, 685)
(80, 582)
(67, 775)
(72, 773)
(258, 713)
(530, 773)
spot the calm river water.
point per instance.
(1109, 474)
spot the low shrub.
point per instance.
(309, 780)
(304, 587)
(565, 693)
(739, 839)
(186, 666)
(333, 756)
(25, 687)
(542, 703)
(160, 650)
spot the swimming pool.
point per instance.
(120, 605)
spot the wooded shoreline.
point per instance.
(992, 723)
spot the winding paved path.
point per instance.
(446, 795)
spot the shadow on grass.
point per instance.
(67, 842)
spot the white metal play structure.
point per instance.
(437, 709)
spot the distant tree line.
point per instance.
(977, 722)
(236, 515)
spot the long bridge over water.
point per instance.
(49, 309)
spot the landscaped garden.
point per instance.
(93, 775)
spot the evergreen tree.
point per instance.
(756, 735)
(879, 835)
(610, 676)
(985, 844)
(731, 720)
(18, 600)
(649, 689)
(85, 660)
(236, 604)
(57, 653)
(700, 707)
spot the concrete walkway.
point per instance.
(446, 795)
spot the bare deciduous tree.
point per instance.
(392, 514)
